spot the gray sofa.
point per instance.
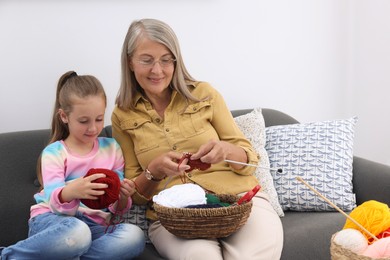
(306, 234)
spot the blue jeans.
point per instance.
(53, 236)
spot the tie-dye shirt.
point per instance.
(60, 166)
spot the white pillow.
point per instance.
(321, 153)
(253, 127)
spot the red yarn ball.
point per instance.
(111, 192)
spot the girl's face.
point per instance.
(153, 66)
(85, 121)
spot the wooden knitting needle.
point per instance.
(337, 208)
(254, 165)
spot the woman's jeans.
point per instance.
(53, 236)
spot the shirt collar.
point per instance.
(139, 98)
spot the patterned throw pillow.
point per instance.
(137, 216)
(321, 153)
(253, 127)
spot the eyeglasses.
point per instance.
(149, 62)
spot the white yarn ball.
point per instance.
(351, 239)
(181, 195)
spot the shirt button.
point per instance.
(158, 120)
(189, 175)
(194, 108)
(135, 124)
(174, 147)
(167, 130)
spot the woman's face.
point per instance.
(153, 66)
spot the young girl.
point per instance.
(61, 227)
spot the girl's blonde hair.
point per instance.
(160, 32)
(69, 86)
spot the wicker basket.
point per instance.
(205, 222)
(338, 252)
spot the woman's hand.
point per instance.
(168, 165)
(216, 151)
(160, 167)
(83, 188)
(213, 152)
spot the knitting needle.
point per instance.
(254, 165)
(337, 208)
(235, 162)
(168, 181)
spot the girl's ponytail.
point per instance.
(59, 130)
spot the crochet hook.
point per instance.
(254, 165)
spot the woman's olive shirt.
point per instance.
(143, 135)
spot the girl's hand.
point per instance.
(83, 188)
(127, 188)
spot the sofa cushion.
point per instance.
(321, 153)
(19, 152)
(253, 127)
(307, 235)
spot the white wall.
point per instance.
(369, 80)
(312, 59)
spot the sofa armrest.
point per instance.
(371, 181)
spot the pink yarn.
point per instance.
(378, 249)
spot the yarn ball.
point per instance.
(372, 215)
(111, 193)
(181, 196)
(385, 233)
(351, 239)
(378, 249)
(212, 199)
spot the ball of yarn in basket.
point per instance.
(351, 239)
(378, 249)
(111, 193)
(372, 215)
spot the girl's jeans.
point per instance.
(53, 236)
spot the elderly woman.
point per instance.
(161, 112)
